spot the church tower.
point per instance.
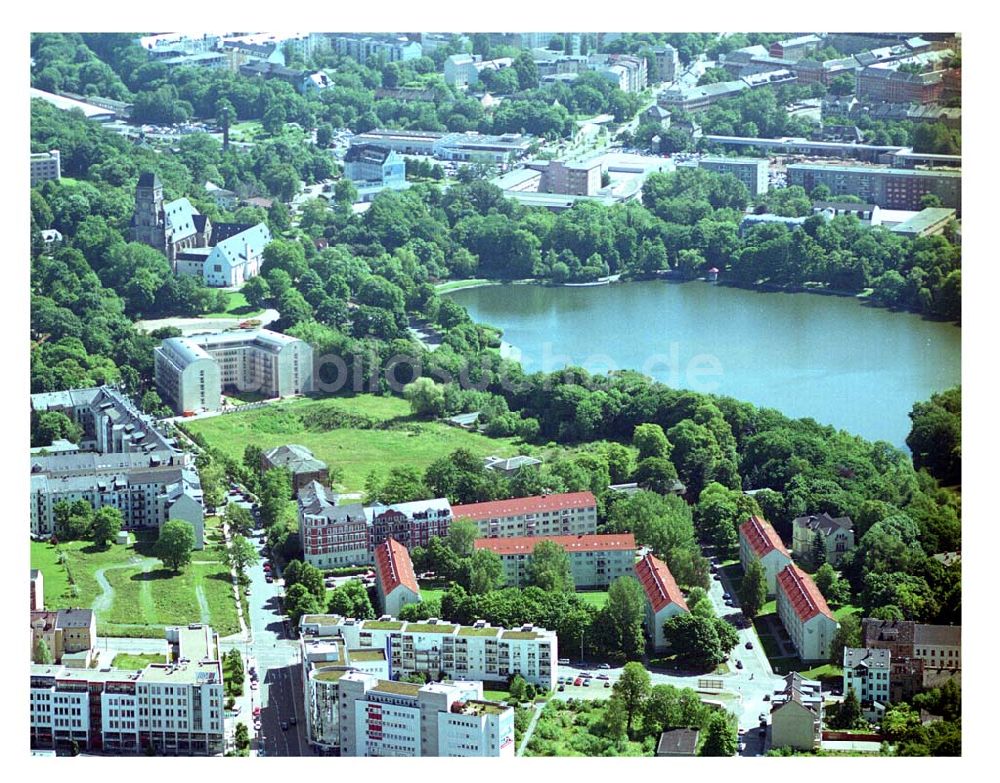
(148, 223)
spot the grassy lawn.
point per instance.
(596, 598)
(237, 307)
(356, 434)
(452, 285)
(145, 596)
(138, 661)
(492, 694)
(844, 611)
(55, 580)
(245, 131)
(431, 594)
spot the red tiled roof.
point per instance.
(659, 584)
(762, 537)
(393, 567)
(518, 506)
(523, 545)
(802, 593)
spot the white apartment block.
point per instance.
(388, 718)
(568, 514)
(175, 707)
(595, 560)
(438, 648)
(324, 661)
(191, 372)
(866, 671)
(147, 490)
(44, 166)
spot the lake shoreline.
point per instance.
(856, 368)
(863, 297)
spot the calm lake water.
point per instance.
(830, 358)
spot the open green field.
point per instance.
(237, 307)
(455, 285)
(355, 434)
(54, 577)
(130, 590)
(596, 598)
(430, 594)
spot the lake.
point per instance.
(830, 358)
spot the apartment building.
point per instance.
(835, 534)
(324, 661)
(569, 179)
(332, 536)
(663, 598)
(45, 166)
(666, 63)
(175, 708)
(389, 49)
(297, 460)
(795, 48)
(595, 560)
(387, 718)
(803, 611)
(797, 714)
(368, 164)
(752, 172)
(884, 83)
(411, 524)
(149, 489)
(937, 646)
(761, 541)
(866, 672)
(191, 372)
(888, 188)
(572, 513)
(111, 423)
(395, 583)
(438, 648)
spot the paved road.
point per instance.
(531, 729)
(276, 657)
(189, 326)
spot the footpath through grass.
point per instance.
(355, 434)
(130, 590)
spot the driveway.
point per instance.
(189, 326)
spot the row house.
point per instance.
(759, 540)
(572, 513)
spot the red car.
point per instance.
(578, 681)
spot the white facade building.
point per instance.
(175, 707)
(44, 166)
(191, 372)
(866, 671)
(435, 647)
(573, 513)
(387, 718)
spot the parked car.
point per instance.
(604, 666)
(726, 596)
(739, 664)
(762, 718)
(767, 697)
(716, 577)
(284, 725)
(268, 578)
(602, 676)
(749, 645)
(562, 687)
(607, 684)
(293, 720)
(563, 661)
(578, 682)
